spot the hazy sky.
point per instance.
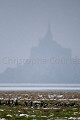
(24, 22)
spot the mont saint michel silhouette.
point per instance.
(49, 62)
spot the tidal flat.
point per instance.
(39, 105)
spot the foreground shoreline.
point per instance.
(40, 105)
(64, 93)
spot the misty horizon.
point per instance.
(40, 42)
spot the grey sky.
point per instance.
(24, 22)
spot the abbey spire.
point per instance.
(49, 33)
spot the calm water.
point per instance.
(39, 87)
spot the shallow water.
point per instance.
(39, 87)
